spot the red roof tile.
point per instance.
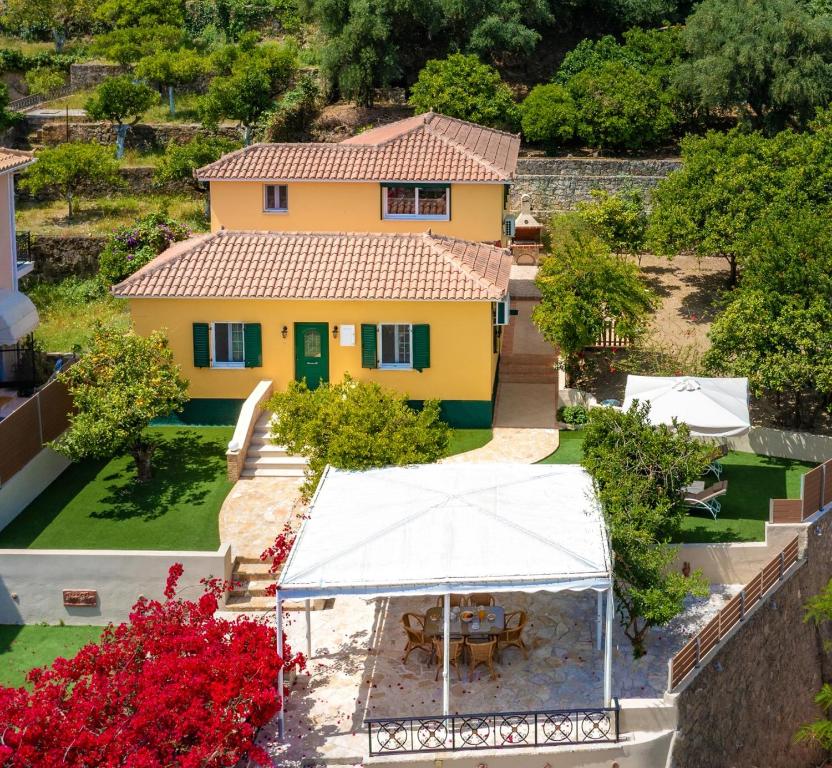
(427, 147)
(11, 159)
(325, 266)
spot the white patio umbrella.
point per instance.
(711, 407)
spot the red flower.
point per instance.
(175, 685)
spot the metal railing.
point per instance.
(493, 730)
(39, 98)
(735, 610)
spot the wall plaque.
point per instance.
(84, 598)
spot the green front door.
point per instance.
(312, 353)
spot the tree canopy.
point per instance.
(770, 58)
(462, 86)
(72, 169)
(118, 387)
(639, 471)
(582, 285)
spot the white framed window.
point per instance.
(228, 345)
(395, 345)
(276, 198)
(413, 202)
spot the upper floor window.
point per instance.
(276, 198)
(412, 201)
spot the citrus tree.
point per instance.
(118, 387)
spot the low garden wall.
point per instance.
(784, 444)
(88, 74)
(559, 183)
(27, 484)
(143, 136)
(745, 702)
(37, 585)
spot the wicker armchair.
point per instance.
(454, 654)
(481, 652)
(512, 635)
(481, 598)
(414, 629)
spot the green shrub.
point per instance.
(130, 248)
(462, 86)
(355, 425)
(548, 115)
(576, 415)
(619, 107)
(181, 160)
(14, 60)
(45, 79)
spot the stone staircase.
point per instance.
(252, 576)
(528, 369)
(267, 460)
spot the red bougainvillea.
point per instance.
(278, 553)
(174, 686)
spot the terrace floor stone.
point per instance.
(356, 670)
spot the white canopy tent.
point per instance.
(710, 407)
(18, 316)
(438, 529)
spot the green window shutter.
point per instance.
(369, 346)
(421, 347)
(253, 345)
(202, 353)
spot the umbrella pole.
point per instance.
(446, 654)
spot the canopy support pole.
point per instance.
(308, 610)
(599, 619)
(608, 649)
(446, 656)
(281, 722)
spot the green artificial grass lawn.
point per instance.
(752, 481)
(99, 505)
(570, 450)
(24, 648)
(463, 440)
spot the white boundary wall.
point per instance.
(32, 581)
(784, 444)
(24, 487)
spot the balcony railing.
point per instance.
(493, 730)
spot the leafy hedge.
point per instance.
(13, 60)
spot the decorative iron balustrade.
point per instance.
(493, 730)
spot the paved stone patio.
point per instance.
(356, 671)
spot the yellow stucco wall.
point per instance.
(476, 210)
(462, 362)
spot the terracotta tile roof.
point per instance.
(300, 265)
(10, 159)
(428, 147)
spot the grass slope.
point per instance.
(98, 504)
(24, 648)
(752, 481)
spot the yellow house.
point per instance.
(426, 173)
(419, 313)
(378, 257)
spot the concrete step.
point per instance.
(267, 449)
(252, 568)
(249, 603)
(261, 439)
(275, 462)
(272, 473)
(252, 588)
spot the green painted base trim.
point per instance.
(205, 412)
(463, 414)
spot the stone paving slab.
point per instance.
(356, 671)
(255, 510)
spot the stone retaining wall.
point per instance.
(559, 183)
(88, 74)
(137, 180)
(144, 136)
(743, 708)
(58, 257)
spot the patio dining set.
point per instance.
(480, 631)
